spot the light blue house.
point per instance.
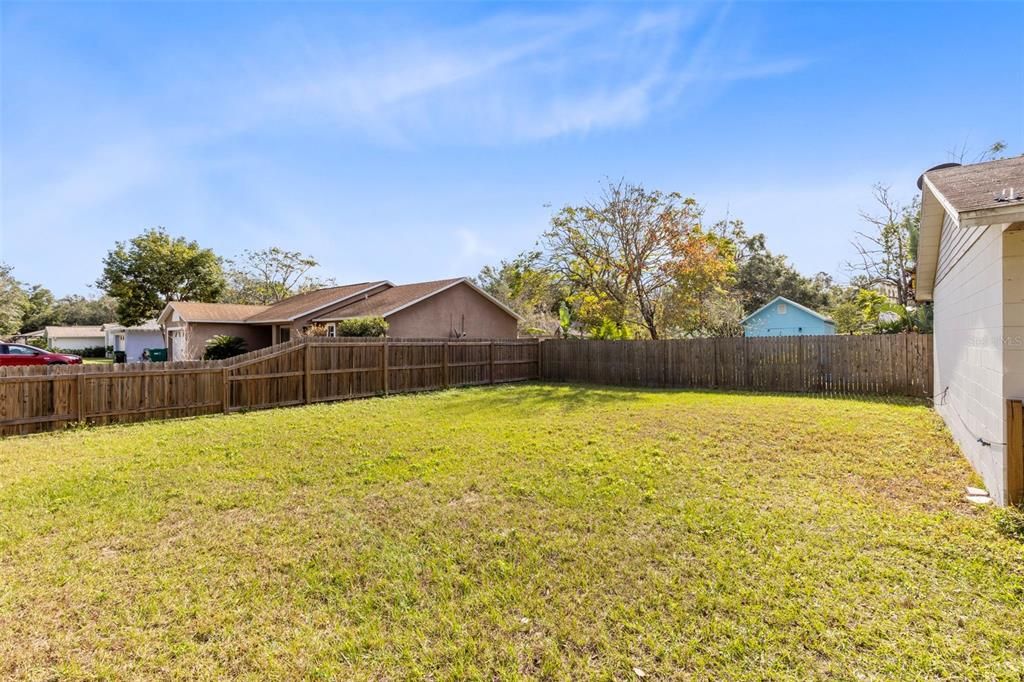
(783, 317)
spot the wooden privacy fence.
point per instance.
(301, 371)
(889, 364)
(1015, 451)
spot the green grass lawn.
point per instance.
(507, 532)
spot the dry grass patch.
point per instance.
(518, 531)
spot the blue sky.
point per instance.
(419, 141)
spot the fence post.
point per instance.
(540, 357)
(384, 363)
(226, 392)
(444, 365)
(80, 397)
(490, 360)
(307, 365)
(1014, 451)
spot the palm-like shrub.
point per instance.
(223, 346)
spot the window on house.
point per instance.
(332, 330)
(283, 334)
(781, 309)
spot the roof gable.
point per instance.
(396, 298)
(782, 299)
(954, 197)
(310, 302)
(192, 311)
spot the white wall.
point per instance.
(137, 341)
(1013, 314)
(969, 352)
(77, 342)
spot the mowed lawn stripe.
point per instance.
(508, 532)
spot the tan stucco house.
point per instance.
(449, 308)
(971, 267)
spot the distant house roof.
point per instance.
(147, 326)
(364, 299)
(75, 332)
(783, 299)
(304, 304)
(396, 298)
(976, 195)
(210, 312)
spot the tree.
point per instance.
(886, 251)
(527, 287)
(75, 310)
(41, 309)
(762, 275)
(38, 310)
(12, 301)
(625, 255)
(153, 268)
(270, 275)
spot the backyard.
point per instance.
(515, 531)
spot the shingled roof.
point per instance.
(364, 299)
(75, 332)
(303, 304)
(214, 312)
(389, 300)
(980, 185)
(396, 298)
(954, 198)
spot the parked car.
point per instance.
(12, 354)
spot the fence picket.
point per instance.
(300, 371)
(838, 365)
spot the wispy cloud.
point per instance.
(508, 78)
(221, 132)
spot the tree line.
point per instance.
(639, 263)
(633, 263)
(142, 274)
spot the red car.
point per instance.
(17, 354)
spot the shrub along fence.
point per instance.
(308, 370)
(888, 364)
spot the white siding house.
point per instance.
(75, 338)
(134, 340)
(971, 266)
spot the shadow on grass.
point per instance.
(580, 395)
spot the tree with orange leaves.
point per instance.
(639, 259)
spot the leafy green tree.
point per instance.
(41, 309)
(38, 309)
(12, 301)
(610, 330)
(762, 275)
(270, 275)
(146, 272)
(528, 287)
(625, 255)
(76, 310)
